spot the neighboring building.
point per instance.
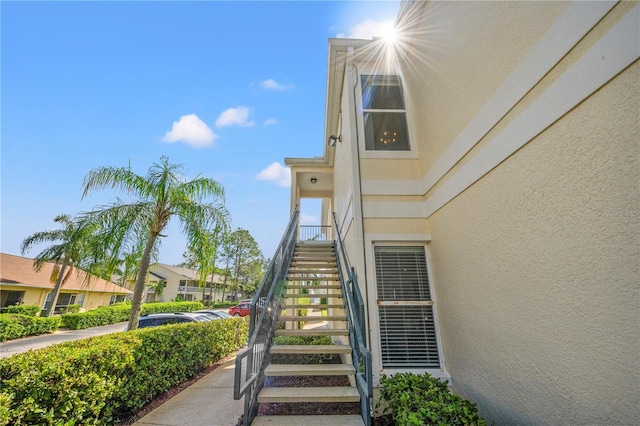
(177, 282)
(485, 175)
(21, 284)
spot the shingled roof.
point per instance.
(18, 271)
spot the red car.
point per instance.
(240, 310)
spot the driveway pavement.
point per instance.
(36, 342)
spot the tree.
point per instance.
(72, 247)
(158, 197)
(243, 252)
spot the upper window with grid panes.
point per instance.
(385, 119)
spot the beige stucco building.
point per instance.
(181, 283)
(485, 177)
(20, 283)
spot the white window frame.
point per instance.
(364, 152)
(400, 240)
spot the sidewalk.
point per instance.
(207, 402)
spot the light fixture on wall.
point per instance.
(314, 180)
(333, 139)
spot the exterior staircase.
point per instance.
(313, 268)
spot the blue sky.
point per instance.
(228, 89)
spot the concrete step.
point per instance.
(310, 349)
(313, 332)
(312, 286)
(314, 270)
(339, 420)
(319, 264)
(273, 370)
(329, 278)
(317, 306)
(315, 257)
(309, 394)
(309, 318)
(313, 296)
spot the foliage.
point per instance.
(73, 245)
(163, 194)
(29, 310)
(120, 372)
(71, 309)
(118, 313)
(219, 305)
(302, 340)
(302, 312)
(13, 326)
(425, 400)
(244, 261)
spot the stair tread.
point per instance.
(312, 306)
(313, 332)
(310, 349)
(303, 296)
(338, 420)
(309, 394)
(311, 318)
(309, 370)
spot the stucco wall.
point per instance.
(463, 52)
(537, 267)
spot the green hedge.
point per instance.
(14, 326)
(120, 372)
(29, 310)
(418, 400)
(113, 314)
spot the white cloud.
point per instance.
(270, 122)
(271, 84)
(368, 29)
(277, 174)
(235, 116)
(307, 219)
(192, 131)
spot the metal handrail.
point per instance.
(267, 304)
(357, 327)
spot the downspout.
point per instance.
(361, 262)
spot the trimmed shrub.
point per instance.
(113, 314)
(14, 326)
(120, 372)
(71, 309)
(28, 310)
(418, 400)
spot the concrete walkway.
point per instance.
(207, 402)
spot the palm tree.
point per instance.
(159, 196)
(72, 245)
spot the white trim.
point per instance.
(392, 187)
(616, 50)
(574, 22)
(394, 209)
(397, 238)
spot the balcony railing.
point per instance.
(315, 233)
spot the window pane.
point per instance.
(386, 131)
(381, 92)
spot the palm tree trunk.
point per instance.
(136, 303)
(48, 310)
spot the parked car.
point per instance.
(215, 314)
(240, 310)
(153, 320)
